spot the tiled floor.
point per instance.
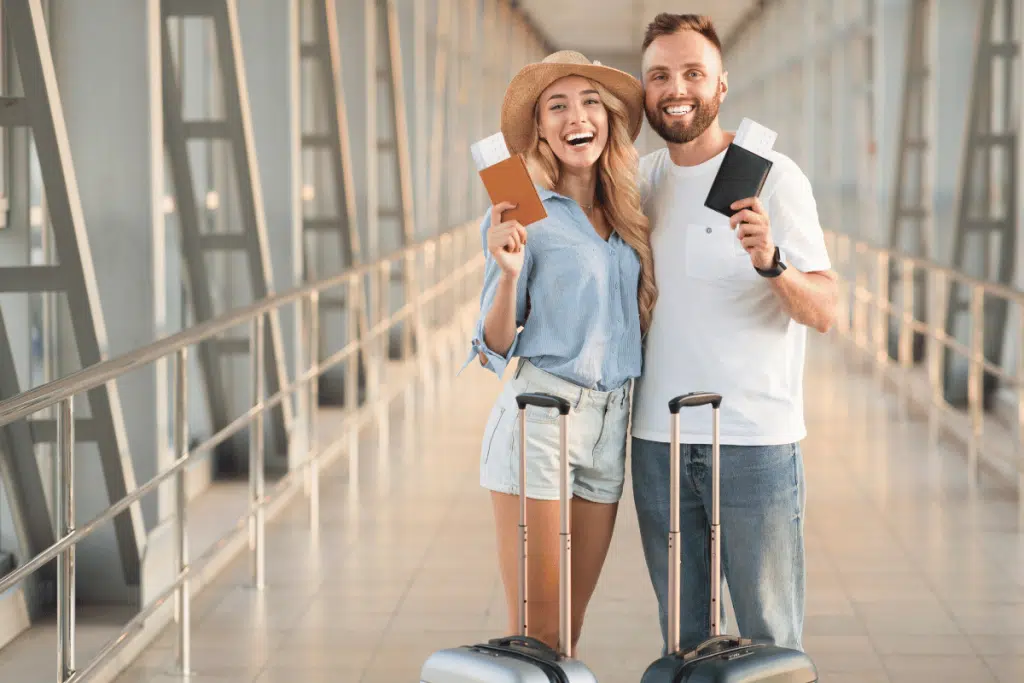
(912, 577)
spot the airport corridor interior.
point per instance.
(241, 272)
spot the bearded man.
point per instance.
(736, 296)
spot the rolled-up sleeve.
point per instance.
(489, 358)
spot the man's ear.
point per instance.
(723, 86)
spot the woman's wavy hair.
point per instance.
(617, 191)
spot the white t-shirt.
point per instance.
(717, 325)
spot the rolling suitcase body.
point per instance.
(720, 658)
(519, 658)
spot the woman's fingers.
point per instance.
(521, 231)
(510, 236)
(498, 209)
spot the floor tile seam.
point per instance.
(408, 586)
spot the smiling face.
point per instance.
(684, 85)
(573, 121)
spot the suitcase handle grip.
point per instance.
(543, 401)
(717, 643)
(694, 399)
(538, 648)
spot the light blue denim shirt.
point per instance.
(584, 320)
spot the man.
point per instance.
(736, 297)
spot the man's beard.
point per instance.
(678, 132)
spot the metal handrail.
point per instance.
(51, 393)
(457, 259)
(867, 289)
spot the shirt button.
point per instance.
(709, 231)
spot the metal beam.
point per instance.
(390, 203)
(323, 54)
(28, 32)
(236, 131)
(912, 222)
(986, 226)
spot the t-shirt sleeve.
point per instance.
(645, 177)
(796, 227)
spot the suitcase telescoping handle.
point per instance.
(691, 400)
(564, 568)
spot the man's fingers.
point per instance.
(753, 203)
(752, 242)
(746, 216)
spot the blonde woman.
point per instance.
(571, 297)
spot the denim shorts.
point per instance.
(597, 425)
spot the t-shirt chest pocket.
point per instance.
(713, 252)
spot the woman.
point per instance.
(580, 285)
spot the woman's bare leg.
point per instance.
(592, 527)
(542, 520)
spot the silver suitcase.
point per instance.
(519, 658)
(720, 658)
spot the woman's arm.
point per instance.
(502, 301)
(500, 323)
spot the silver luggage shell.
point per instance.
(483, 663)
(470, 664)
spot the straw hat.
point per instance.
(517, 111)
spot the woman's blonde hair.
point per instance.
(617, 191)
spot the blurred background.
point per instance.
(167, 163)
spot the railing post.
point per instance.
(256, 455)
(313, 400)
(842, 249)
(65, 495)
(881, 301)
(975, 374)
(383, 353)
(411, 330)
(859, 301)
(370, 344)
(410, 298)
(1020, 417)
(430, 389)
(905, 349)
(359, 346)
(936, 351)
(446, 317)
(182, 597)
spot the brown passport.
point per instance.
(509, 181)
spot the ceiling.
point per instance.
(617, 26)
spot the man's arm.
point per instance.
(809, 298)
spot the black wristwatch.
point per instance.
(777, 266)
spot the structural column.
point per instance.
(270, 46)
(106, 58)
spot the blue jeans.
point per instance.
(761, 513)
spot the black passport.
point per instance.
(741, 175)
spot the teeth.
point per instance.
(678, 109)
(579, 137)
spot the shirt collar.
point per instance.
(546, 194)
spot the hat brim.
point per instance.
(517, 111)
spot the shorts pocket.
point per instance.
(493, 436)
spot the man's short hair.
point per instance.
(667, 24)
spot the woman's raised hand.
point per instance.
(506, 241)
